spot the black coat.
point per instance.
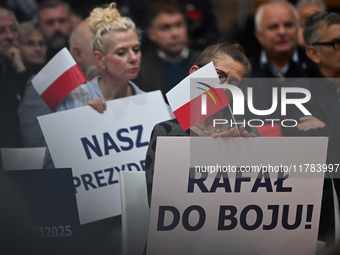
(151, 75)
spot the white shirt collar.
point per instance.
(183, 55)
(264, 60)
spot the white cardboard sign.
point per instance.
(97, 146)
(236, 213)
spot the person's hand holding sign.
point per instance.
(234, 133)
(98, 104)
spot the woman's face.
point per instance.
(231, 68)
(122, 58)
(33, 49)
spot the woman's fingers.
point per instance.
(230, 133)
(98, 104)
(235, 132)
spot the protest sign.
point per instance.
(236, 195)
(97, 146)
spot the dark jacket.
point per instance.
(151, 75)
(9, 100)
(302, 68)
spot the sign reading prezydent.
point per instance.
(97, 146)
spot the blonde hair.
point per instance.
(103, 21)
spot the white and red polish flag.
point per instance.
(186, 98)
(58, 77)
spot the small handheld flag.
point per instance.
(191, 106)
(58, 77)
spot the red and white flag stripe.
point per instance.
(59, 77)
(186, 101)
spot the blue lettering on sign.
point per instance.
(229, 217)
(109, 144)
(161, 218)
(275, 217)
(224, 184)
(243, 217)
(86, 144)
(118, 143)
(259, 184)
(279, 183)
(106, 177)
(239, 179)
(176, 218)
(223, 216)
(124, 139)
(197, 180)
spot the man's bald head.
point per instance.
(80, 46)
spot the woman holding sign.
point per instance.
(231, 65)
(116, 50)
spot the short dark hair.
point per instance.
(53, 4)
(312, 32)
(168, 7)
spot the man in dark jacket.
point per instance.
(10, 65)
(276, 28)
(164, 67)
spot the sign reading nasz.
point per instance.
(98, 146)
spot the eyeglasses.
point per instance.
(234, 81)
(224, 78)
(335, 43)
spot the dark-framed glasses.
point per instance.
(234, 81)
(335, 43)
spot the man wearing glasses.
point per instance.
(322, 38)
(323, 42)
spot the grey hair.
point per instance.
(260, 11)
(4, 12)
(302, 3)
(312, 32)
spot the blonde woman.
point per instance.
(116, 50)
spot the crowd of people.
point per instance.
(301, 41)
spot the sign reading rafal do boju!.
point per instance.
(97, 146)
(236, 195)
